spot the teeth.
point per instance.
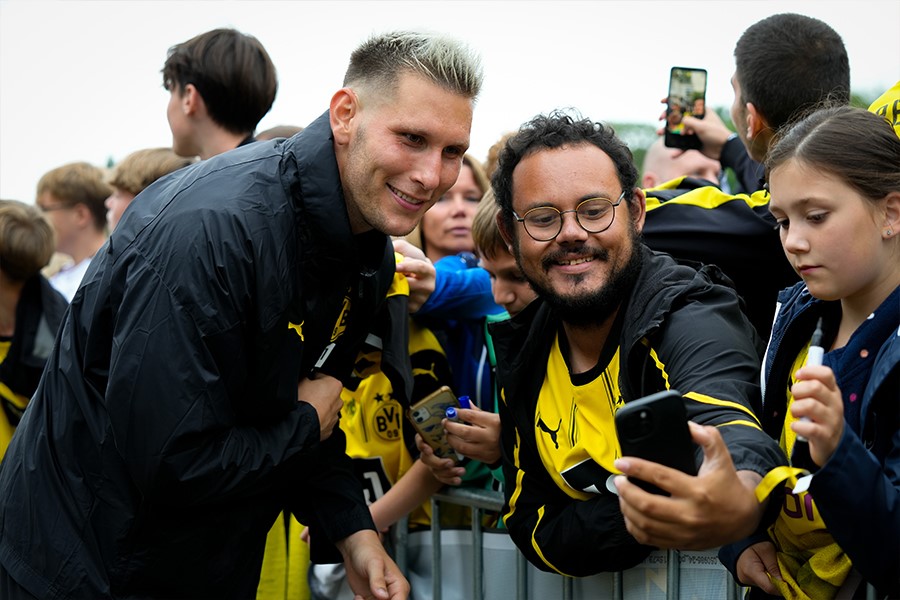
(576, 261)
(409, 199)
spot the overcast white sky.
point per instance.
(81, 80)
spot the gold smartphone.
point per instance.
(426, 416)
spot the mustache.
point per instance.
(551, 259)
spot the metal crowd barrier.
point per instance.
(484, 500)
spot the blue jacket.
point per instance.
(462, 290)
(455, 312)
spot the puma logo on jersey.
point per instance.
(551, 432)
(430, 372)
(297, 328)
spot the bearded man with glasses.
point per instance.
(613, 322)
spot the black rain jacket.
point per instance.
(681, 330)
(166, 434)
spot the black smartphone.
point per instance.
(655, 428)
(687, 97)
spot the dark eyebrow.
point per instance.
(803, 202)
(590, 196)
(401, 129)
(600, 195)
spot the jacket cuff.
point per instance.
(322, 549)
(729, 554)
(732, 151)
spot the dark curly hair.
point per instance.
(557, 129)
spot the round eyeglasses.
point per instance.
(595, 215)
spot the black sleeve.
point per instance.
(749, 173)
(329, 499)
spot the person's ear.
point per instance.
(637, 208)
(344, 106)
(648, 180)
(891, 226)
(756, 123)
(191, 100)
(82, 214)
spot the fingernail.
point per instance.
(622, 464)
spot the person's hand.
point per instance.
(818, 398)
(323, 392)
(710, 129)
(716, 507)
(480, 439)
(370, 571)
(712, 133)
(444, 470)
(756, 564)
(419, 272)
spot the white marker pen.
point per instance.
(814, 358)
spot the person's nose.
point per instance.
(459, 205)
(503, 294)
(794, 240)
(571, 230)
(429, 170)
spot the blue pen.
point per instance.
(452, 415)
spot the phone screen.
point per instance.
(687, 97)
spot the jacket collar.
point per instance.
(325, 234)
(798, 311)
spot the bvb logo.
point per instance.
(386, 421)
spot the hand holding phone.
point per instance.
(687, 97)
(427, 415)
(655, 428)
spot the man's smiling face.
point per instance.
(583, 275)
(401, 153)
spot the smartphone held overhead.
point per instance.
(686, 98)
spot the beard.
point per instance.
(594, 307)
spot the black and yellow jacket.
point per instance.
(701, 223)
(680, 330)
(39, 312)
